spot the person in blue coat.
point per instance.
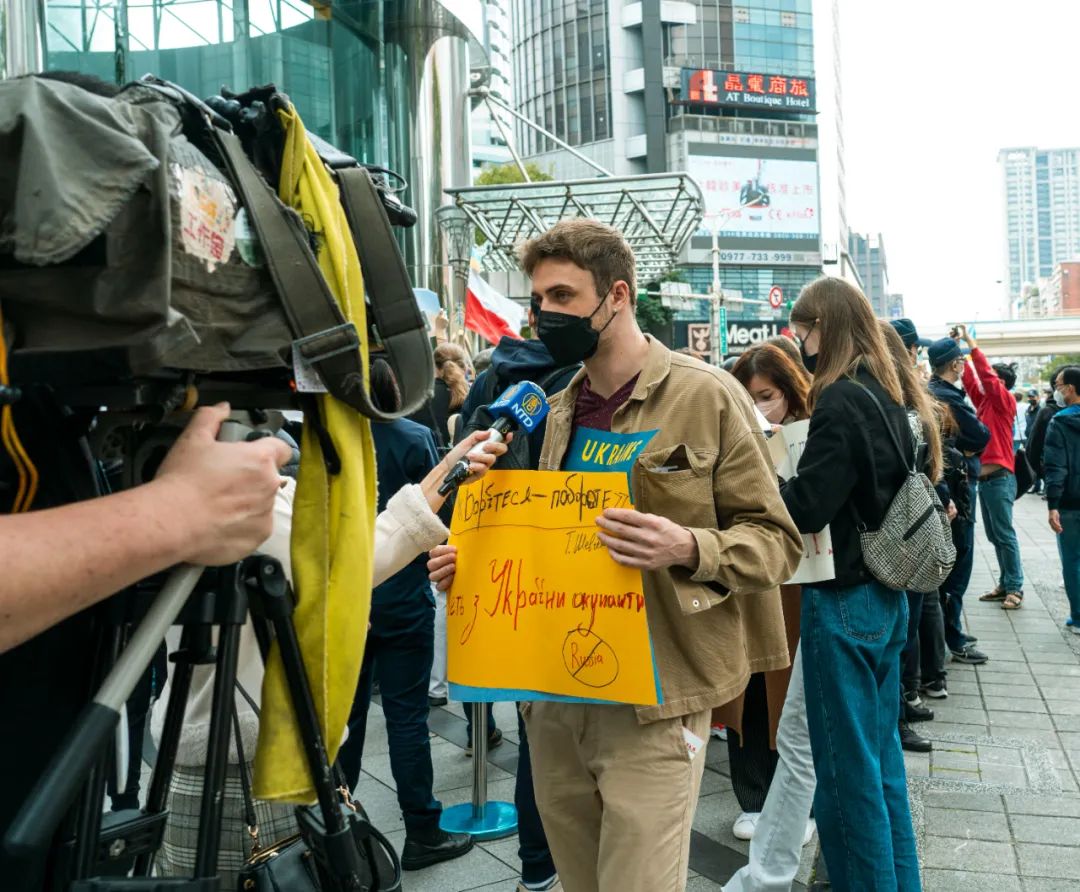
(947, 365)
(1061, 458)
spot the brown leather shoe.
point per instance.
(996, 594)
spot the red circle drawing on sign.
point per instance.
(776, 297)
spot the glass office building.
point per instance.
(766, 35)
(385, 80)
(722, 89)
(562, 71)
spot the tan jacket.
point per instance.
(710, 628)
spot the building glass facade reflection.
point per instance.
(562, 71)
(384, 80)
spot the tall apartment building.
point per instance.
(488, 143)
(1041, 195)
(872, 263)
(722, 89)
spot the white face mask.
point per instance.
(1059, 399)
(775, 411)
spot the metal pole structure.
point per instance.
(716, 296)
(560, 143)
(480, 818)
(22, 51)
(509, 140)
(459, 233)
(480, 749)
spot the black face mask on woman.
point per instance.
(570, 338)
(810, 362)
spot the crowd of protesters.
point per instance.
(818, 687)
(814, 739)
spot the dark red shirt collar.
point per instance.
(592, 410)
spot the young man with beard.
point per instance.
(617, 786)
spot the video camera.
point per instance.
(147, 263)
(147, 266)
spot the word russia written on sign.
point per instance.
(537, 602)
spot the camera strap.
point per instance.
(323, 336)
(390, 296)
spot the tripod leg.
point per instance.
(88, 806)
(308, 721)
(29, 834)
(179, 688)
(217, 755)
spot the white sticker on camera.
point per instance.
(304, 374)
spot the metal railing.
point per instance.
(742, 126)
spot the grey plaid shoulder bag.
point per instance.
(913, 549)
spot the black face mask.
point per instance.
(569, 338)
(810, 362)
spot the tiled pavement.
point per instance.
(996, 806)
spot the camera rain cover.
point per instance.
(120, 238)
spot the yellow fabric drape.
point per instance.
(333, 516)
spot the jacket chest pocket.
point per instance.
(676, 482)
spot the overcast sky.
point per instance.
(932, 90)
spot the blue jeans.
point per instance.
(851, 643)
(468, 709)
(1069, 549)
(954, 587)
(399, 653)
(997, 497)
(909, 654)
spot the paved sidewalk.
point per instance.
(996, 806)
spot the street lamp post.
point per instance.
(459, 233)
(717, 310)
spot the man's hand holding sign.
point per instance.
(646, 541)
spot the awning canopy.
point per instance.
(656, 213)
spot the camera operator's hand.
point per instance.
(479, 464)
(211, 503)
(442, 566)
(224, 490)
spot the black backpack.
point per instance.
(523, 453)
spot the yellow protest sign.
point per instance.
(537, 603)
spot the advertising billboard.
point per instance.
(764, 201)
(741, 335)
(746, 89)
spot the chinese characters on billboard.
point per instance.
(763, 202)
(740, 89)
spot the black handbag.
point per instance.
(1025, 476)
(292, 864)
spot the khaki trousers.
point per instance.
(617, 798)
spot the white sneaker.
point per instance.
(745, 824)
(718, 732)
(811, 828)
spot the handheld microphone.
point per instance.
(521, 407)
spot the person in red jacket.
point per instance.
(990, 390)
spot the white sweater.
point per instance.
(407, 528)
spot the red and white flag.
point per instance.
(489, 313)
